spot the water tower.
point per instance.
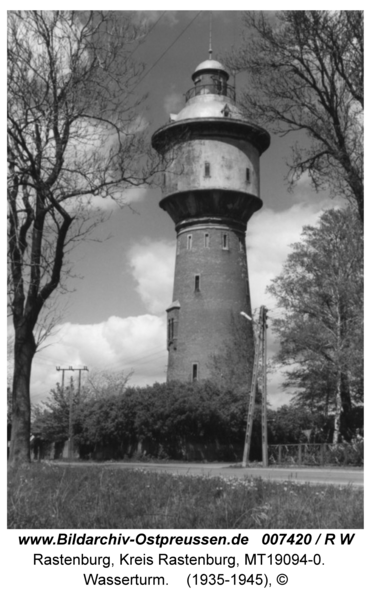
(210, 190)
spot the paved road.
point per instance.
(335, 476)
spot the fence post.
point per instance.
(279, 453)
(345, 454)
(299, 457)
(322, 454)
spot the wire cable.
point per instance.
(166, 51)
(146, 35)
(151, 29)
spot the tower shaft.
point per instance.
(211, 287)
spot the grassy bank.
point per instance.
(43, 496)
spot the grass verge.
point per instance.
(42, 496)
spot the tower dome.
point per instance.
(210, 66)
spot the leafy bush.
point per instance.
(347, 454)
(171, 420)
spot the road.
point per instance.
(334, 476)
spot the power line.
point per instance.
(151, 29)
(42, 359)
(146, 357)
(140, 358)
(144, 361)
(137, 358)
(146, 35)
(70, 424)
(166, 51)
(154, 350)
(40, 394)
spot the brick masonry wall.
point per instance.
(209, 319)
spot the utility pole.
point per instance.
(70, 428)
(251, 405)
(261, 343)
(63, 369)
(264, 387)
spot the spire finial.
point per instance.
(211, 35)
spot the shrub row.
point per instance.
(171, 421)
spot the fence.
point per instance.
(317, 454)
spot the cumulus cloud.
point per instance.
(275, 394)
(91, 146)
(118, 344)
(136, 125)
(149, 17)
(269, 237)
(152, 266)
(127, 196)
(173, 102)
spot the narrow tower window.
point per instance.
(197, 283)
(194, 372)
(189, 242)
(172, 324)
(248, 175)
(207, 240)
(225, 241)
(241, 245)
(164, 179)
(170, 330)
(207, 169)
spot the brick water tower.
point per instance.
(210, 190)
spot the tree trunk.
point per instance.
(338, 399)
(335, 438)
(24, 351)
(346, 403)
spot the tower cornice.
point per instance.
(179, 131)
(211, 205)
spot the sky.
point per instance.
(114, 319)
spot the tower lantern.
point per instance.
(210, 191)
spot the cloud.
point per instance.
(276, 396)
(137, 125)
(118, 344)
(268, 241)
(173, 102)
(152, 266)
(148, 18)
(127, 196)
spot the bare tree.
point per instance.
(74, 132)
(306, 75)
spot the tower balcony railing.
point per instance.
(221, 89)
